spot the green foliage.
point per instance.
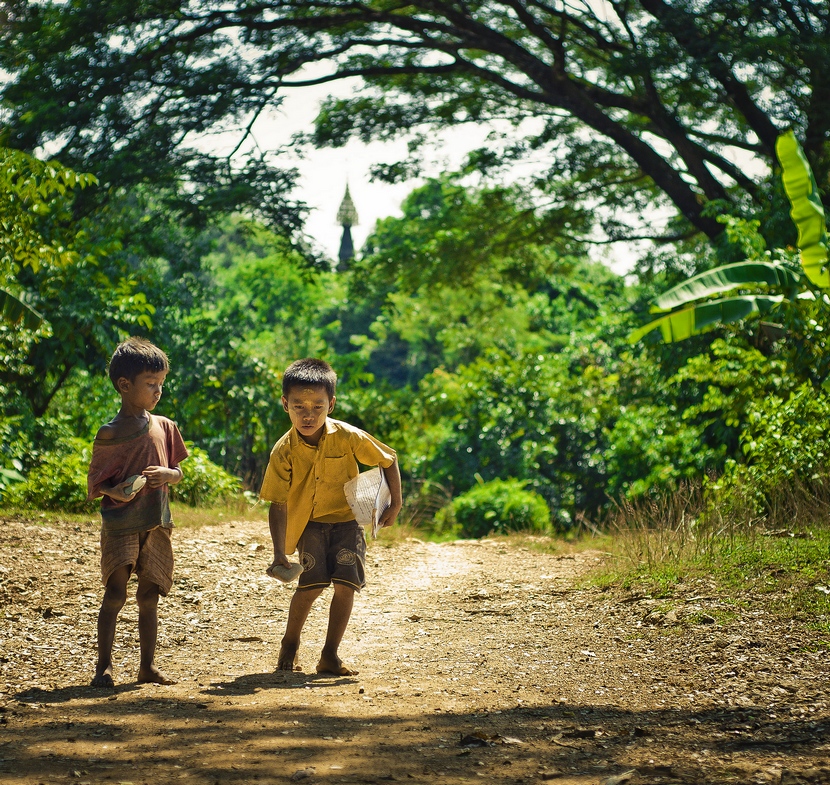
(203, 483)
(514, 370)
(685, 322)
(528, 417)
(651, 448)
(30, 190)
(58, 482)
(724, 382)
(31, 232)
(259, 307)
(686, 309)
(786, 441)
(11, 450)
(130, 120)
(466, 337)
(9, 478)
(473, 335)
(451, 236)
(74, 270)
(495, 507)
(807, 210)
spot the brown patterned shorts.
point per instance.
(332, 553)
(148, 554)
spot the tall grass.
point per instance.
(696, 523)
(780, 551)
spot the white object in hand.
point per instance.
(369, 496)
(137, 482)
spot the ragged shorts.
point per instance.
(148, 554)
(332, 553)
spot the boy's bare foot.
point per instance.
(103, 679)
(333, 664)
(287, 661)
(153, 675)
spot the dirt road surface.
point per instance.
(479, 662)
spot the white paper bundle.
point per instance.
(368, 495)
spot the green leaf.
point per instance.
(15, 311)
(726, 278)
(679, 325)
(807, 210)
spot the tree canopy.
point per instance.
(692, 92)
(473, 334)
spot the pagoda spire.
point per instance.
(347, 218)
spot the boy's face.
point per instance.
(144, 391)
(308, 408)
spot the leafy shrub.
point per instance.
(10, 453)
(203, 482)
(497, 506)
(58, 482)
(653, 450)
(786, 442)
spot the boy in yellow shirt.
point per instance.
(307, 470)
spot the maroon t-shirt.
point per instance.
(159, 443)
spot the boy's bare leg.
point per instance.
(298, 612)
(339, 614)
(147, 599)
(115, 595)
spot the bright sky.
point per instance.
(324, 173)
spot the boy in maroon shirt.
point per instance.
(135, 457)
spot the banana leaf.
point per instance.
(14, 311)
(726, 278)
(679, 325)
(806, 210)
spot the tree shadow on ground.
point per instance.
(219, 735)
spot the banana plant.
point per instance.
(687, 308)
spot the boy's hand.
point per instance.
(118, 492)
(389, 515)
(393, 478)
(161, 475)
(279, 561)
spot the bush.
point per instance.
(11, 453)
(496, 507)
(204, 483)
(58, 482)
(786, 445)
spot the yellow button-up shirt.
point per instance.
(310, 480)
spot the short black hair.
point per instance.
(135, 356)
(309, 373)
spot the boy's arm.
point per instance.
(117, 491)
(96, 489)
(161, 475)
(277, 523)
(156, 477)
(170, 473)
(393, 479)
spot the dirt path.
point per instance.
(478, 662)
